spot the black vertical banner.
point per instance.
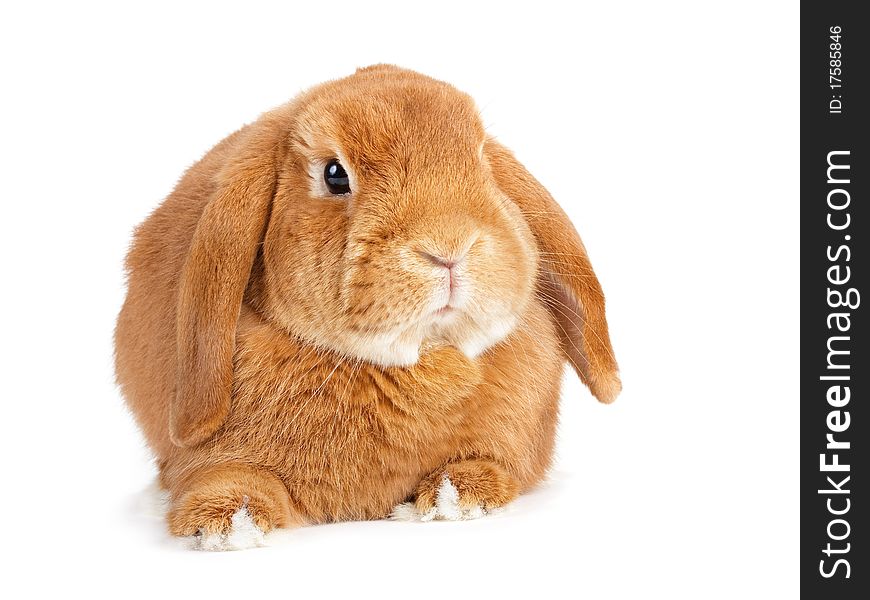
(834, 370)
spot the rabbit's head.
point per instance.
(387, 230)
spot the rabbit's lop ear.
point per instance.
(566, 281)
(213, 282)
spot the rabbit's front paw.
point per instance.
(460, 491)
(220, 524)
(243, 533)
(230, 508)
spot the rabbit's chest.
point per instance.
(324, 414)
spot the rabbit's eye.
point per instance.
(336, 178)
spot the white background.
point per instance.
(668, 131)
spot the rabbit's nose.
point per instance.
(451, 251)
(441, 260)
(448, 263)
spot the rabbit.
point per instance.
(358, 306)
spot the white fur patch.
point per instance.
(243, 534)
(446, 507)
(406, 511)
(473, 343)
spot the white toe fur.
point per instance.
(447, 501)
(405, 512)
(446, 507)
(243, 534)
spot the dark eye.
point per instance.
(336, 178)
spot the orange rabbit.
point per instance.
(357, 301)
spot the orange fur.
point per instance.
(282, 348)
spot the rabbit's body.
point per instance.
(281, 350)
(349, 439)
(352, 440)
